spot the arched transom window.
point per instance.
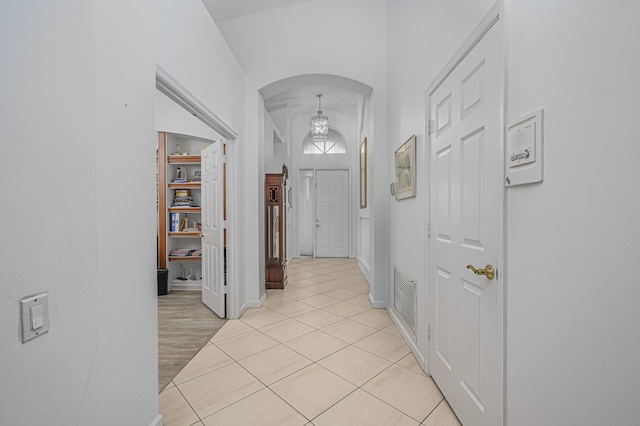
(335, 144)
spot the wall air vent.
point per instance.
(404, 290)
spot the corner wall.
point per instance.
(77, 116)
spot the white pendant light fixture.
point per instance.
(319, 124)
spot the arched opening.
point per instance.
(289, 105)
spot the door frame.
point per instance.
(297, 224)
(494, 17)
(349, 212)
(169, 86)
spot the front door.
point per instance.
(213, 277)
(465, 351)
(332, 213)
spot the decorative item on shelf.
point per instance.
(182, 272)
(181, 176)
(186, 150)
(193, 275)
(177, 149)
(319, 124)
(197, 176)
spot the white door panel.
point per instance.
(332, 213)
(466, 202)
(212, 202)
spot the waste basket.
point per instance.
(163, 279)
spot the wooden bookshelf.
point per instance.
(185, 258)
(183, 159)
(184, 209)
(193, 234)
(177, 185)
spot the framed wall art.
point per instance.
(406, 169)
(363, 174)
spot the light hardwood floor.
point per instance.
(185, 325)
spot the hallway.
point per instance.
(316, 353)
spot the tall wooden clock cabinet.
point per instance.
(275, 230)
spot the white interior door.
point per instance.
(332, 213)
(465, 351)
(213, 283)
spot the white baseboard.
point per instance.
(408, 337)
(157, 421)
(377, 304)
(186, 285)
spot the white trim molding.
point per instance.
(168, 85)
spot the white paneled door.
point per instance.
(465, 350)
(332, 213)
(212, 216)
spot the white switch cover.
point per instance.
(524, 150)
(35, 316)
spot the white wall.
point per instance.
(573, 339)
(194, 53)
(172, 118)
(278, 47)
(77, 110)
(571, 299)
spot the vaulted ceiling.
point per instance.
(222, 10)
(297, 99)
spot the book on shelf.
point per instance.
(186, 252)
(175, 221)
(182, 198)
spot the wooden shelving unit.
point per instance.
(168, 166)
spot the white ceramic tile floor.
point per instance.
(332, 360)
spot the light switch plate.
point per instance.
(35, 316)
(524, 150)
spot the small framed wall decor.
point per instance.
(363, 174)
(406, 169)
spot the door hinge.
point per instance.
(432, 126)
(226, 289)
(429, 230)
(224, 159)
(224, 224)
(429, 331)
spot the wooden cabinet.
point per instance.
(275, 230)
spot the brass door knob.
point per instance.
(488, 271)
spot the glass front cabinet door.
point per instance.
(275, 209)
